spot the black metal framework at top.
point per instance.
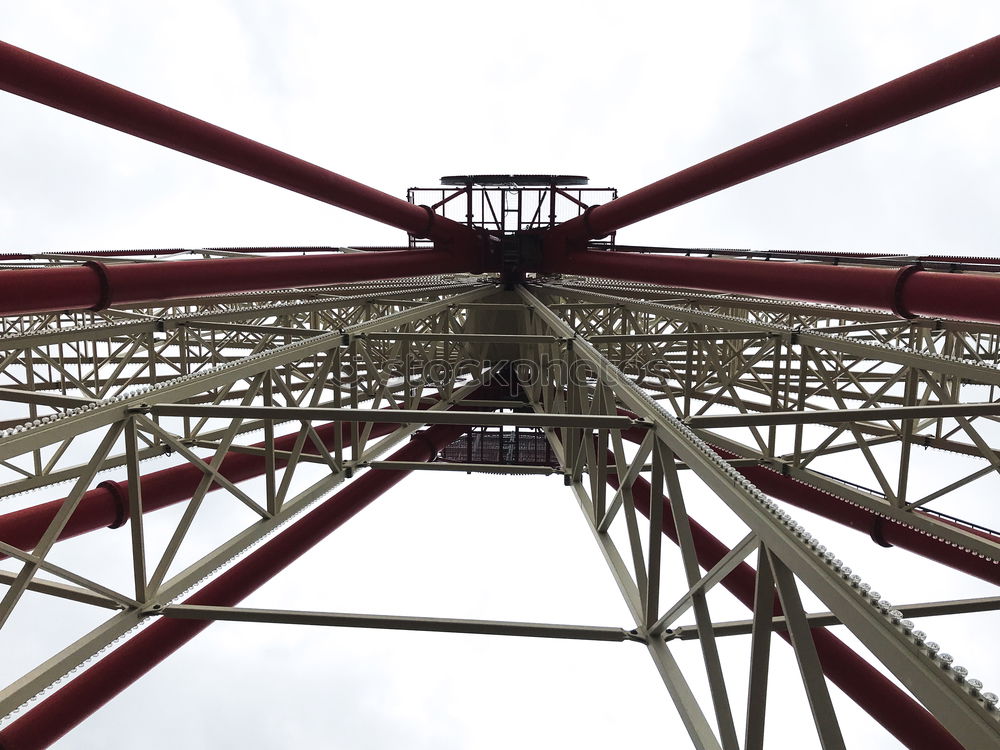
(506, 446)
(511, 204)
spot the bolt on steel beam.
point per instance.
(392, 622)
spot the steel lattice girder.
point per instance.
(313, 344)
(81, 697)
(667, 430)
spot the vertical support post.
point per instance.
(338, 401)
(906, 440)
(823, 713)
(270, 487)
(356, 448)
(760, 652)
(655, 537)
(772, 432)
(803, 360)
(135, 511)
(703, 618)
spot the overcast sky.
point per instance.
(395, 95)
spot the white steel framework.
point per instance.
(673, 391)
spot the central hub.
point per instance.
(520, 252)
(511, 212)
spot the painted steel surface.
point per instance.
(107, 504)
(42, 80)
(907, 291)
(888, 530)
(876, 694)
(71, 704)
(95, 286)
(951, 79)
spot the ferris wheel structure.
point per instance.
(273, 393)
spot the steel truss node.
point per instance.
(299, 384)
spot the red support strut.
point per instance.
(71, 704)
(947, 81)
(42, 80)
(906, 291)
(901, 715)
(95, 286)
(106, 506)
(886, 530)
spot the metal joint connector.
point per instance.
(121, 502)
(898, 283)
(591, 233)
(104, 300)
(635, 636)
(429, 227)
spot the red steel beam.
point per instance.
(907, 291)
(884, 530)
(42, 80)
(947, 81)
(153, 252)
(106, 506)
(60, 712)
(887, 531)
(890, 706)
(95, 286)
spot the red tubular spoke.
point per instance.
(888, 530)
(906, 291)
(908, 721)
(95, 286)
(71, 704)
(896, 533)
(106, 506)
(58, 86)
(951, 79)
(166, 251)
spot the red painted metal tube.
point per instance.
(42, 80)
(834, 508)
(901, 715)
(96, 286)
(906, 291)
(951, 79)
(153, 252)
(68, 706)
(886, 530)
(106, 506)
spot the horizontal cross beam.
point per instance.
(827, 416)
(394, 416)
(826, 619)
(387, 622)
